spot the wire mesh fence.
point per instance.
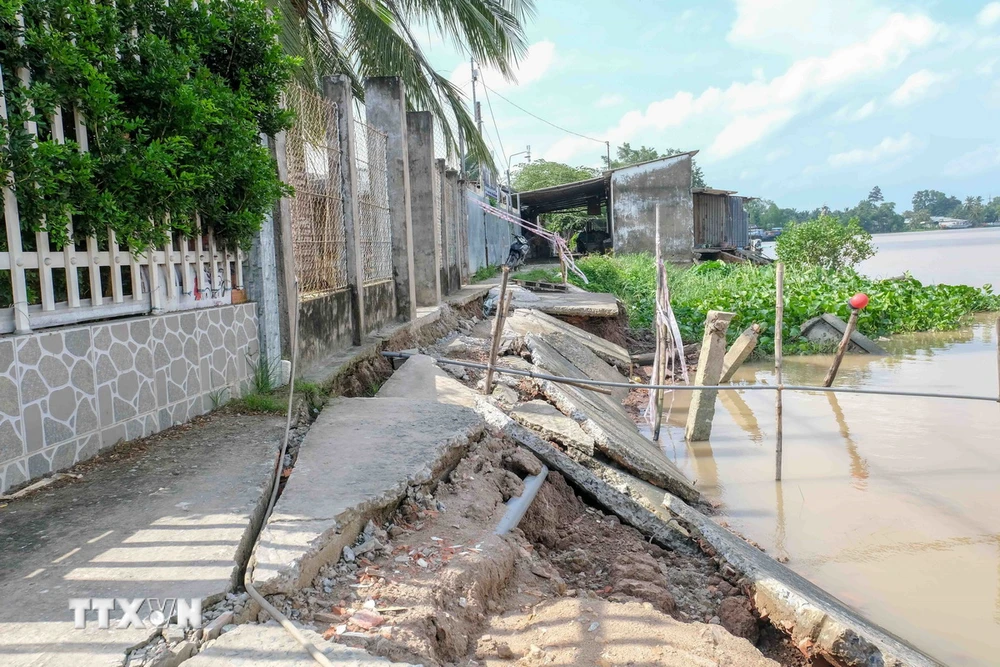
(374, 224)
(312, 149)
(438, 212)
(442, 149)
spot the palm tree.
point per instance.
(367, 38)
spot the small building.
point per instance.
(692, 221)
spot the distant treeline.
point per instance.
(877, 215)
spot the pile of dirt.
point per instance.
(433, 585)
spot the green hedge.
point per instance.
(175, 96)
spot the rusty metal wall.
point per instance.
(737, 230)
(709, 220)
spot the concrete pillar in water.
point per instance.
(713, 353)
(423, 207)
(739, 352)
(385, 109)
(340, 92)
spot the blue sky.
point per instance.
(806, 102)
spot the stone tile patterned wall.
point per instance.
(65, 395)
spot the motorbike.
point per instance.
(518, 252)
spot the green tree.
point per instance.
(935, 202)
(369, 38)
(545, 174)
(875, 196)
(626, 155)
(825, 242)
(973, 210)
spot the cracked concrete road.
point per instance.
(167, 517)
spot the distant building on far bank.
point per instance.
(950, 223)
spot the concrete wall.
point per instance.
(635, 193)
(489, 237)
(380, 305)
(326, 326)
(424, 207)
(69, 393)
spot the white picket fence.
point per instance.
(183, 274)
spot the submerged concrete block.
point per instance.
(356, 461)
(828, 328)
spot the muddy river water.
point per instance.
(890, 503)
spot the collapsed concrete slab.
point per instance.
(818, 622)
(525, 321)
(419, 377)
(269, 645)
(615, 434)
(572, 303)
(829, 329)
(356, 462)
(589, 363)
(553, 425)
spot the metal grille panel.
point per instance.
(312, 152)
(375, 224)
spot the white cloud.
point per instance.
(532, 67)
(917, 86)
(776, 155)
(747, 112)
(889, 147)
(611, 100)
(989, 15)
(799, 27)
(984, 158)
(849, 114)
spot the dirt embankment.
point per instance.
(571, 586)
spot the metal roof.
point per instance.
(570, 195)
(712, 191)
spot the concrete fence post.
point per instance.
(713, 354)
(385, 105)
(454, 229)
(444, 231)
(339, 91)
(423, 207)
(463, 228)
(261, 277)
(284, 250)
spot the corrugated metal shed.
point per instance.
(720, 219)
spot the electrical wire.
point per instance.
(489, 105)
(289, 627)
(537, 117)
(697, 387)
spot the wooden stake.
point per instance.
(831, 374)
(661, 374)
(562, 266)
(779, 316)
(660, 361)
(497, 330)
(998, 358)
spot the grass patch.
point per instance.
(485, 273)
(539, 275)
(272, 404)
(897, 306)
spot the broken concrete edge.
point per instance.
(614, 354)
(816, 621)
(344, 529)
(396, 336)
(585, 482)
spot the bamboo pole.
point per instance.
(998, 359)
(660, 357)
(661, 373)
(831, 374)
(779, 316)
(497, 330)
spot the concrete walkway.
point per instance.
(357, 461)
(168, 517)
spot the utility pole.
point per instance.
(478, 116)
(607, 145)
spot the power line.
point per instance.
(536, 116)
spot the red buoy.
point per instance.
(859, 300)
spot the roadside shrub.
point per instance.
(825, 243)
(897, 305)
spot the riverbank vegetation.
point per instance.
(897, 305)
